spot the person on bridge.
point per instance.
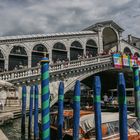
(105, 98)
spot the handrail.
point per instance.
(11, 75)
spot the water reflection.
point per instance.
(13, 130)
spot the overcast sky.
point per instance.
(19, 17)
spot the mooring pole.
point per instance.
(122, 108)
(30, 113)
(45, 96)
(76, 110)
(97, 106)
(36, 129)
(23, 112)
(136, 90)
(60, 110)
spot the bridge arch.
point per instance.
(110, 39)
(91, 48)
(127, 51)
(136, 54)
(37, 53)
(18, 58)
(76, 50)
(59, 51)
(2, 61)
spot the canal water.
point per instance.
(13, 130)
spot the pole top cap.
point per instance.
(45, 58)
(135, 66)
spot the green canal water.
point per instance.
(13, 130)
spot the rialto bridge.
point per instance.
(74, 55)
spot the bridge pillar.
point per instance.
(29, 61)
(68, 54)
(50, 55)
(119, 43)
(6, 63)
(100, 40)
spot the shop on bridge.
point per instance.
(91, 48)
(37, 54)
(18, 58)
(1, 62)
(76, 50)
(59, 52)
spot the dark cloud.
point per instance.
(49, 16)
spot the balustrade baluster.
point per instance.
(62, 66)
(12, 76)
(9, 76)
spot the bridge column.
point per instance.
(100, 40)
(50, 56)
(119, 44)
(6, 62)
(29, 61)
(68, 54)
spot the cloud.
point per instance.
(48, 16)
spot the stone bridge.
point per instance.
(24, 52)
(69, 73)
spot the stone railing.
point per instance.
(34, 71)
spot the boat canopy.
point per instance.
(87, 121)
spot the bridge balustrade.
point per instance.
(17, 74)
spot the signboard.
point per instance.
(138, 62)
(133, 61)
(117, 60)
(126, 61)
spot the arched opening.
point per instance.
(91, 48)
(110, 40)
(37, 54)
(76, 50)
(127, 51)
(59, 52)
(1, 62)
(136, 54)
(18, 58)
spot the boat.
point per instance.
(110, 126)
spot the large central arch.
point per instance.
(110, 40)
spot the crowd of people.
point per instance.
(107, 99)
(77, 57)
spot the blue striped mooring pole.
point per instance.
(23, 111)
(97, 106)
(122, 108)
(30, 112)
(60, 110)
(36, 129)
(76, 109)
(45, 96)
(136, 90)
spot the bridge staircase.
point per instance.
(67, 72)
